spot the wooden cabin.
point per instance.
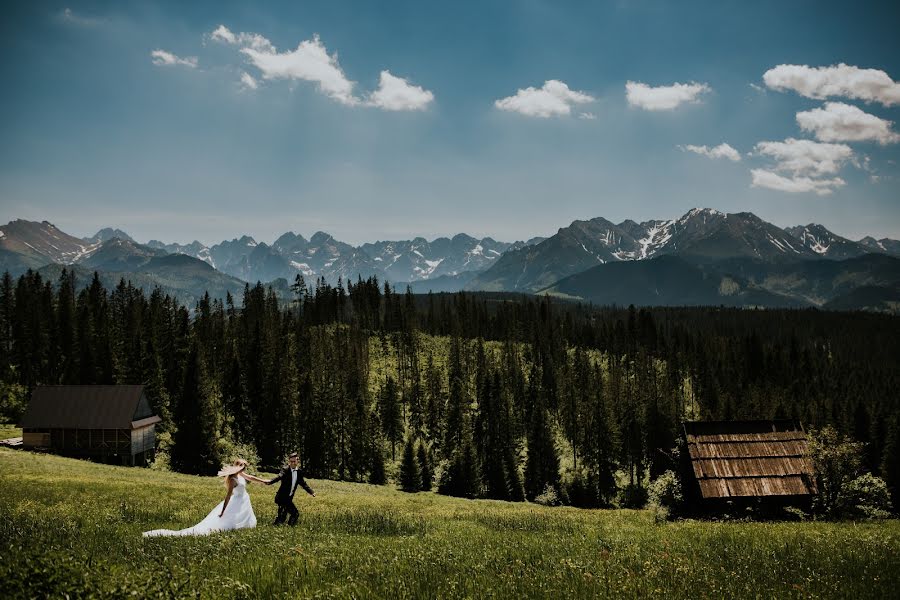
(107, 423)
(761, 464)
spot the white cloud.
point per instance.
(723, 150)
(250, 40)
(869, 85)
(794, 185)
(587, 116)
(554, 99)
(248, 82)
(664, 97)
(162, 58)
(309, 62)
(806, 157)
(396, 93)
(842, 122)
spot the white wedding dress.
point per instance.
(238, 515)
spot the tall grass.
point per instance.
(9, 430)
(74, 528)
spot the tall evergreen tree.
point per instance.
(425, 472)
(410, 479)
(542, 465)
(195, 443)
(389, 414)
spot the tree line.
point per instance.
(495, 395)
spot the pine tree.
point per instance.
(542, 465)
(461, 478)
(410, 478)
(425, 473)
(195, 445)
(377, 475)
(389, 414)
(66, 329)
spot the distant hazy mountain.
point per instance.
(108, 233)
(195, 249)
(701, 235)
(886, 245)
(827, 244)
(419, 259)
(324, 256)
(29, 244)
(701, 258)
(117, 254)
(183, 277)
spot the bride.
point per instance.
(234, 512)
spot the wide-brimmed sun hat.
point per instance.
(231, 470)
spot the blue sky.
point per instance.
(177, 145)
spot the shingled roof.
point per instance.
(741, 459)
(88, 407)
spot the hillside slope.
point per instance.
(355, 540)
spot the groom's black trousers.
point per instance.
(285, 508)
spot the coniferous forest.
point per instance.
(492, 395)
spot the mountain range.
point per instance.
(323, 256)
(703, 257)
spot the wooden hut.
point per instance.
(107, 423)
(765, 464)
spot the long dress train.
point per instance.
(238, 515)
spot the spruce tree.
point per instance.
(377, 475)
(195, 447)
(542, 466)
(390, 415)
(425, 473)
(410, 478)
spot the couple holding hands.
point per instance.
(235, 511)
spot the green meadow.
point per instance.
(71, 528)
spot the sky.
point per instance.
(389, 120)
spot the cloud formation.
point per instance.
(251, 40)
(664, 97)
(163, 58)
(806, 157)
(396, 93)
(553, 99)
(839, 122)
(869, 85)
(248, 82)
(723, 150)
(794, 185)
(800, 165)
(311, 62)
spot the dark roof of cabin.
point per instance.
(86, 406)
(750, 458)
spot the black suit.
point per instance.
(284, 497)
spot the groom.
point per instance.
(290, 478)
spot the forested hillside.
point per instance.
(504, 394)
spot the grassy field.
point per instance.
(9, 431)
(73, 527)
